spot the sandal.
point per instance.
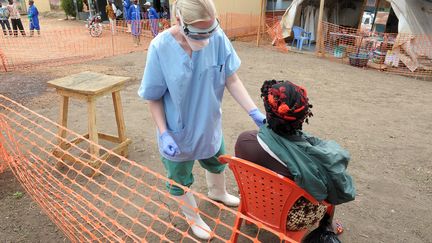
(338, 228)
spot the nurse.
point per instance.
(153, 17)
(126, 6)
(33, 16)
(135, 17)
(188, 67)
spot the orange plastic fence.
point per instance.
(274, 30)
(400, 53)
(121, 26)
(233, 24)
(120, 201)
(60, 47)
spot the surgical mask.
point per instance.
(196, 45)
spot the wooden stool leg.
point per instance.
(92, 129)
(64, 109)
(121, 128)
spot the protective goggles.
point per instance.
(197, 33)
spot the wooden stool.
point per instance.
(88, 86)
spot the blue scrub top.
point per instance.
(33, 13)
(192, 89)
(126, 6)
(134, 12)
(152, 13)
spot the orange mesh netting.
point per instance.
(121, 26)
(274, 30)
(399, 53)
(118, 201)
(234, 25)
(66, 46)
(61, 47)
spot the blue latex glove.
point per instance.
(169, 146)
(258, 117)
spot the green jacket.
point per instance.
(317, 166)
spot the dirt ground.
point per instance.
(383, 120)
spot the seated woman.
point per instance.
(316, 165)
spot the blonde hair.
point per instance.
(193, 11)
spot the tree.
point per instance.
(68, 7)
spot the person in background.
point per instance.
(126, 17)
(33, 16)
(143, 12)
(111, 13)
(153, 17)
(15, 19)
(4, 20)
(184, 93)
(135, 17)
(165, 13)
(85, 6)
(318, 166)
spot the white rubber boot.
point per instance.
(217, 189)
(198, 226)
(129, 28)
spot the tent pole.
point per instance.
(260, 23)
(361, 14)
(377, 4)
(319, 34)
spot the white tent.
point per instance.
(288, 18)
(414, 27)
(346, 17)
(415, 16)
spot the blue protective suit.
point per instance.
(33, 15)
(126, 7)
(153, 16)
(135, 17)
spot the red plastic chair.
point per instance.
(266, 196)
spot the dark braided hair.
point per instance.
(287, 106)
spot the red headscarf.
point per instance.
(287, 106)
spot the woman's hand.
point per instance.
(257, 116)
(169, 146)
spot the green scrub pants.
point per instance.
(181, 172)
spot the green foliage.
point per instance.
(69, 8)
(18, 195)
